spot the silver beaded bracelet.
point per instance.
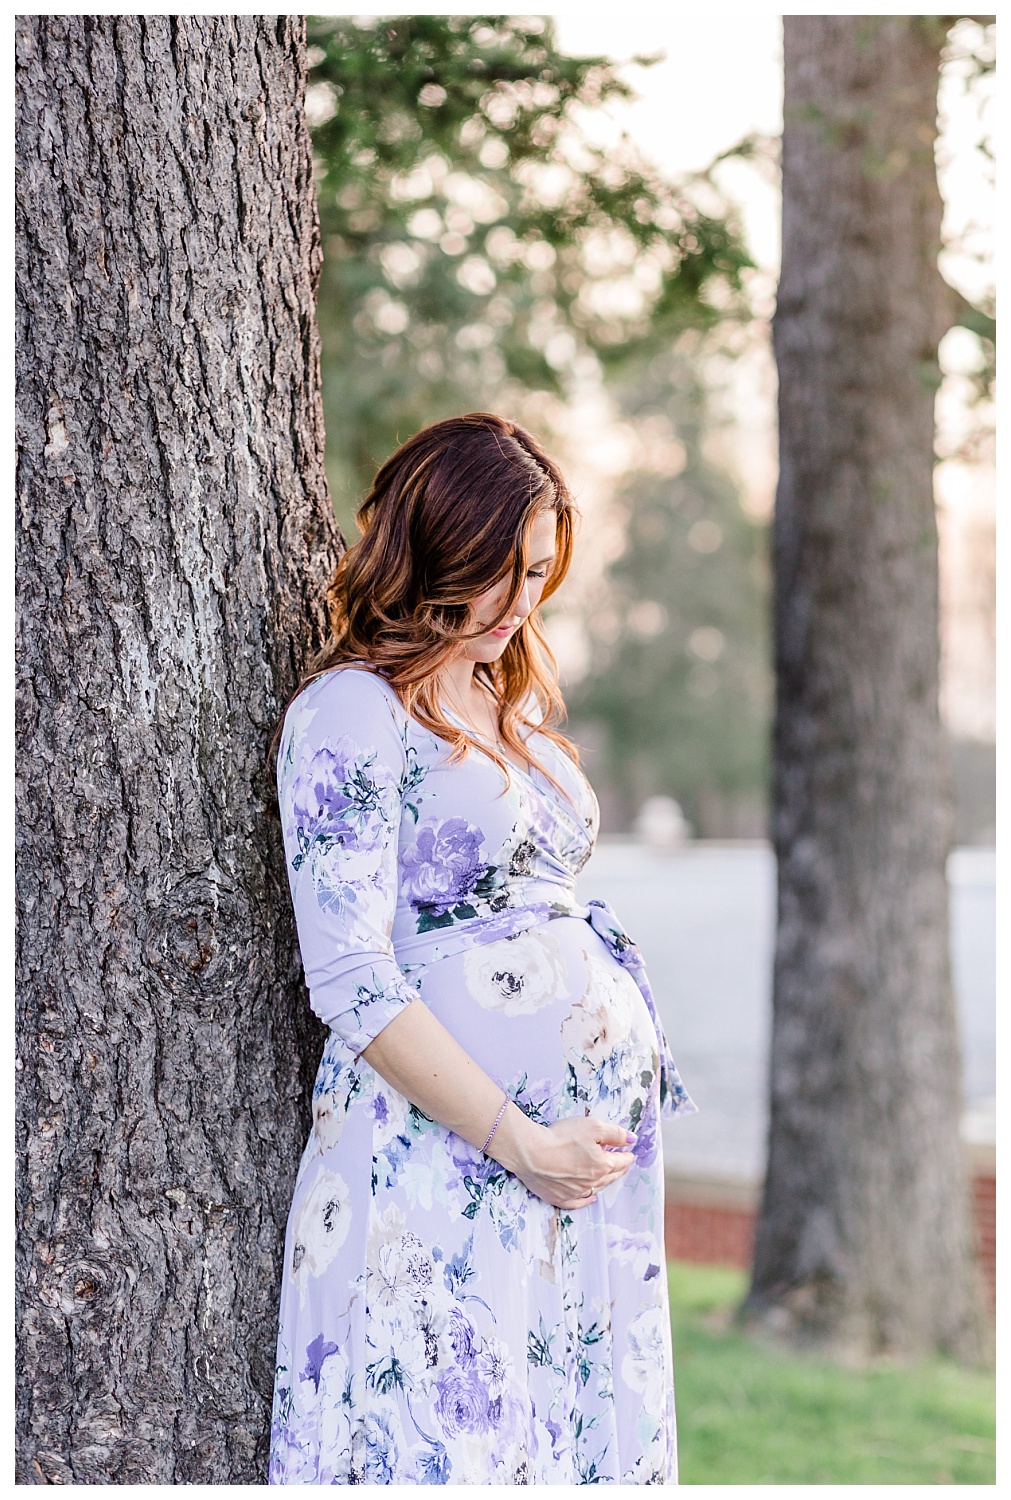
(505, 1105)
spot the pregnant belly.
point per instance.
(553, 1017)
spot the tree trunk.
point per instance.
(174, 538)
(864, 1238)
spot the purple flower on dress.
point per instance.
(505, 924)
(462, 1403)
(458, 1269)
(317, 1352)
(319, 793)
(461, 1336)
(443, 865)
(434, 1465)
(395, 1153)
(471, 1160)
(645, 1147)
(495, 1369)
(336, 799)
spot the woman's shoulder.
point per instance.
(352, 683)
(349, 699)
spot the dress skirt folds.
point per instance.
(439, 1324)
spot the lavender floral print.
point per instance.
(439, 1324)
(444, 876)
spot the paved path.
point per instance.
(704, 918)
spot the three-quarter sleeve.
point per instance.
(340, 774)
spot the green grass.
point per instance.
(751, 1414)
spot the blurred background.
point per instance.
(577, 225)
(592, 247)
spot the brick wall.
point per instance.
(984, 1202)
(707, 1232)
(709, 1235)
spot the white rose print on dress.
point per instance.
(516, 975)
(603, 1038)
(321, 1227)
(646, 1336)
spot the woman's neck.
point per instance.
(458, 677)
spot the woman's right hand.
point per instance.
(567, 1163)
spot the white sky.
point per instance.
(721, 79)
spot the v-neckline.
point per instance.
(561, 805)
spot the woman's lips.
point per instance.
(503, 630)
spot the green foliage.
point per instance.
(751, 1414)
(474, 237)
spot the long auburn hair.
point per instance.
(447, 517)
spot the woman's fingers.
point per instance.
(585, 1156)
(571, 1203)
(608, 1134)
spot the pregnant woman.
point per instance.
(473, 1287)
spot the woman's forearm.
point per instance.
(566, 1163)
(424, 1062)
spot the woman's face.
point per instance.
(487, 606)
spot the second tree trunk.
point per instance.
(864, 1236)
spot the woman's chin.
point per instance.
(489, 648)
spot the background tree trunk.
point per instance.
(174, 538)
(864, 1236)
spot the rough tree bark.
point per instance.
(864, 1237)
(174, 537)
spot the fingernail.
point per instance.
(629, 1137)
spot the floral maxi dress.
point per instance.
(439, 1324)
